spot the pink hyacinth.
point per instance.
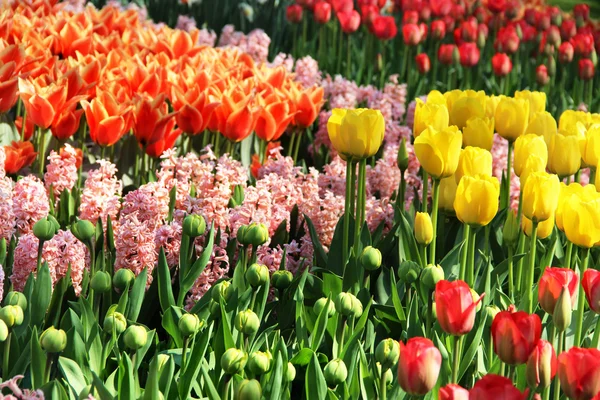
(150, 202)
(30, 203)
(307, 71)
(333, 178)
(101, 194)
(216, 269)
(135, 247)
(282, 59)
(340, 92)
(61, 172)
(185, 23)
(2, 162)
(207, 37)
(169, 238)
(18, 393)
(7, 216)
(499, 163)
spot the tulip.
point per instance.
(308, 104)
(455, 307)
(544, 228)
(512, 116)
(591, 152)
(540, 196)
(570, 120)
(586, 69)
(321, 304)
(247, 322)
(384, 27)
(18, 156)
(257, 275)
(107, 120)
(465, 108)
(565, 52)
(453, 391)
(411, 34)
(469, 54)
(281, 280)
(541, 75)
(115, 322)
(515, 335)
(564, 153)
(194, 108)
(249, 390)
(579, 373)
(581, 219)
(135, 337)
(526, 146)
(236, 117)
(543, 124)
(429, 114)
(448, 54)
(476, 201)
(349, 21)
(101, 282)
(541, 365)
(274, 117)
(233, 361)
(293, 13)
(552, 283)
(448, 189)
(479, 132)
(501, 64)
(42, 101)
(438, 151)
(370, 259)
(335, 372)
(494, 386)
(188, 325)
(194, 225)
(418, 366)
(356, 134)
(423, 63)
(473, 161)
(322, 12)
(423, 228)
(387, 353)
(591, 287)
(348, 305)
(123, 278)
(29, 129)
(260, 362)
(537, 101)
(53, 340)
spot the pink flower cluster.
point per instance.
(134, 244)
(101, 194)
(30, 203)
(255, 43)
(18, 393)
(61, 171)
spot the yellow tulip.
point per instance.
(542, 124)
(465, 108)
(527, 146)
(566, 191)
(438, 151)
(427, 114)
(436, 97)
(356, 134)
(569, 119)
(452, 96)
(423, 228)
(491, 104)
(540, 196)
(473, 161)
(512, 117)
(532, 164)
(581, 220)
(544, 228)
(594, 119)
(448, 188)
(564, 154)
(476, 201)
(479, 132)
(591, 154)
(537, 101)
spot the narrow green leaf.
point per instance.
(320, 255)
(73, 374)
(315, 385)
(42, 293)
(38, 361)
(165, 291)
(137, 295)
(194, 364)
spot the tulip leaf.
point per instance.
(137, 295)
(103, 391)
(95, 347)
(451, 262)
(276, 378)
(227, 336)
(42, 293)
(54, 309)
(151, 391)
(140, 353)
(315, 385)
(126, 379)
(209, 387)
(407, 240)
(166, 377)
(165, 291)
(73, 374)
(396, 298)
(194, 364)
(335, 263)
(170, 320)
(38, 361)
(474, 344)
(198, 266)
(318, 333)
(320, 255)
(54, 390)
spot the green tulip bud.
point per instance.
(257, 275)
(290, 374)
(476, 297)
(335, 372)
(387, 353)
(123, 278)
(491, 311)
(214, 308)
(101, 282)
(370, 258)
(281, 280)
(431, 275)
(135, 337)
(481, 40)
(44, 229)
(260, 362)
(53, 340)
(511, 229)
(189, 325)
(242, 235)
(408, 271)
(83, 230)
(194, 225)
(116, 321)
(3, 331)
(233, 361)
(221, 289)
(16, 299)
(594, 57)
(402, 156)
(562, 311)
(11, 315)
(347, 304)
(249, 390)
(257, 234)
(321, 303)
(247, 322)
(551, 66)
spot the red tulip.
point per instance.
(455, 307)
(42, 99)
(447, 53)
(495, 387)
(307, 4)
(583, 44)
(453, 392)
(497, 6)
(501, 64)
(151, 121)
(568, 29)
(18, 155)
(368, 14)
(438, 29)
(423, 63)
(565, 53)
(551, 285)
(308, 103)
(293, 13)
(412, 34)
(384, 28)
(349, 21)
(469, 54)
(165, 142)
(441, 7)
(581, 12)
(507, 40)
(541, 75)
(194, 108)
(419, 366)
(107, 119)
(29, 127)
(541, 365)
(274, 117)
(591, 287)
(410, 17)
(322, 12)
(586, 69)
(543, 21)
(342, 6)
(66, 124)
(579, 373)
(468, 31)
(515, 335)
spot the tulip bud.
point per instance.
(221, 289)
(189, 324)
(257, 275)
(402, 156)
(562, 311)
(321, 303)
(541, 365)
(281, 280)
(293, 13)
(481, 39)
(11, 315)
(3, 331)
(135, 337)
(16, 299)
(370, 258)
(53, 340)
(233, 361)
(586, 70)
(214, 308)
(423, 228)
(247, 322)
(511, 229)
(594, 57)
(161, 361)
(45, 229)
(115, 321)
(408, 271)
(387, 353)
(431, 275)
(83, 230)
(379, 62)
(249, 390)
(476, 298)
(347, 304)
(194, 225)
(260, 362)
(241, 235)
(290, 374)
(541, 75)
(551, 66)
(423, 63)
(335, 372)
(123, 278)
(101, 282)
(490, 311)
(257, 234)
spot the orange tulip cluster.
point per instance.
(127, 75)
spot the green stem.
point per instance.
(348, 57)
(592, 175)
(511, 282)
(42, 152)
(520, 250)
(508, 174)
(184, 353)
(434, 218)
(353, 190)
(456, 361)
(596, 337)
(342, 334)
(48, 367)
(425, 191)
(531, 269)
(471, 254)
(24, 120)
(401, 190)
(423, 252)
(297, 144)
(227, 386)
(490, 351)
(382, 386)
(346, 240)
(465, 252)
(360, 203)
(429, 313)
(568, 255)
(559, 349)
(290, 151)
(581, 300)
(39, 254)
(6, 357)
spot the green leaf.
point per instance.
(358, 327)
(303, 357)
(474, 344)
(137, 295)
(103, 391)
(227, 336)
(166, 377)
(140, 353)
(73, 374)
(209, 387)
(170, 320)
(198, 266)
(276, 378)
(126, 379)
(194, 364)
(318, 333)
(315, 385)
(396, 299)
(165, 291)
(38, 361)
(61, 287)
(320, 255)
(151, 391)
(42, 293)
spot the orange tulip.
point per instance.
(108, 120)
(275, 116)
(8, 86)
(42, 100)
(195, 108)
(308, 104)
(66, 124)
(236, 117)
(166, 142)
(151, 120)
(18, 156)
(29, 127)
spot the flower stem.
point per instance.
(511, 282)
(429, 313)
(345, 246)
(360, 203)
(382, 386)
(434, 218)
(6, 357)
(508, 174)
(596, 337)
(568, 255)
(465, 252)
(456, 361)
(41, 150)
(425, 191)
(531, 270)
(184, 353)
(581, 300)
(470, 278)
(559, 348)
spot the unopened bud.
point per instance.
(370, 258)
(247, 322)
(335, 372)
(387, 353)
(135, 337)
(233, 361)
(257, 275)
(53, 340)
